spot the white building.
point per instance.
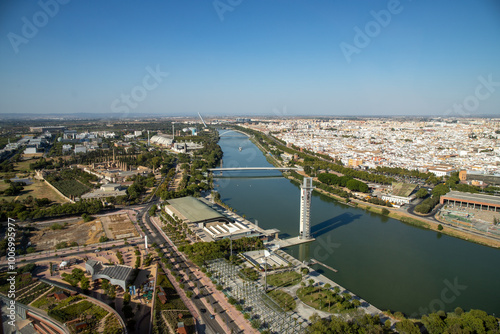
(80, 149)
(441, 170)
(397, 199)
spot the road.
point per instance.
(155, 236)
(205, 324)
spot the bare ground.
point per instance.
(80, 232)
(119, 226)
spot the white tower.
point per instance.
(305, 208)
(148, 138)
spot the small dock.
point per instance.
(314, 261)
(282, 243)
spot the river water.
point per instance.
(388, 263)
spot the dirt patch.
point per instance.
(80, 232)
(119, 226)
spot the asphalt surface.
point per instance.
(212, 326)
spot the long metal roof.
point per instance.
(193, 209)
(494, 200)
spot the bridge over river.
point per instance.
(223, 169)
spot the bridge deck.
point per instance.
(222, 169)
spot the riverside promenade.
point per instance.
(322, 280)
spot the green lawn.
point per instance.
(326, 299)
(43, 301)
(76, 310)
(249, 274)
(289, 278)
(283, 299)
(174, 301)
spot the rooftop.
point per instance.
(402, 189)
(193, 209)
(473, 197)
(117, 272)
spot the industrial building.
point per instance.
(401, 194)
(475, 201)
(210, 224)
(164, 140)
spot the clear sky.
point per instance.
(250, 57)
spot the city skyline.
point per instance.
(251, 58)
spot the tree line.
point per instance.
(474, 321)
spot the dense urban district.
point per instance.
(114, 226)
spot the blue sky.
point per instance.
(250, 57)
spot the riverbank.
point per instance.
(397, 214)
(409, 219)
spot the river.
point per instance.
(390, 264)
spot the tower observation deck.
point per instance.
(305, 208)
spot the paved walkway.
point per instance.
(282, 243)
(237, 316)
(322, 280)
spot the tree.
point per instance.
(112, 291)
(440, 227)
(385, 212)
(434, 323)
(56, 226)
(87, 218)
(152, 210)
(84, 283)
(421, 193)
(256, 323)
(407, 327)
(440, 189)
(14, 189)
